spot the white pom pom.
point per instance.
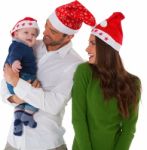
(104, 23)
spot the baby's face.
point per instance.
(27, 35)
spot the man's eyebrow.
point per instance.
(51, 28)
(54, 30)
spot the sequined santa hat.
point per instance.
(110, 30)
(68, 18)
(27, 22)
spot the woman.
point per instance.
(105, 97)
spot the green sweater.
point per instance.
(97, 123)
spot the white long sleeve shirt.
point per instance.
(55, 72)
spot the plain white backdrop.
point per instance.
(133, 51)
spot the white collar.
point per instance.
(63, 50)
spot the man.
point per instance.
(57, 62)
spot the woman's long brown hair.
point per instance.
(114, 79)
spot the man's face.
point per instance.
(52, 37)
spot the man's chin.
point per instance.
(49, 43)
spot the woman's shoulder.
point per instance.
(84, 67)
(136, 83)
(83, 73)
(83, 70)
(135, 79)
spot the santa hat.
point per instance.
(27, 22)
(110, 30)
(68, 18)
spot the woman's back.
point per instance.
(104, 122)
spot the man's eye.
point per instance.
(53, 32)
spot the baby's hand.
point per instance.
(36, 84)
(16, 66)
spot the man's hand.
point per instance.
(15, 99)
(10, 76)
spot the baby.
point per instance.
(22, 60)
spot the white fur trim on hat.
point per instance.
(103, 23)
(21, 25)
(103, 35)
(59, 25)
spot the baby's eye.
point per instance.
(26, 32)
(33, 34)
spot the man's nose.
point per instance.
(46, 32)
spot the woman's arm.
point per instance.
(128, 131)
(79, 108)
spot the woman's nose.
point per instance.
(87, 49)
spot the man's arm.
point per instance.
(52, 101)
(10, 76)
(5, 94)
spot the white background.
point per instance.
(133, 51)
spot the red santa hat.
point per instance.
(110, 30)
(27, 22)
(68, 18)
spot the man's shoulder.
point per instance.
(75, 57)
(38, 44)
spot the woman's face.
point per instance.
(91, 49)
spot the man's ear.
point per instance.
(70, 37)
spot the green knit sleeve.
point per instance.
(128, 131)
(79, 120)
